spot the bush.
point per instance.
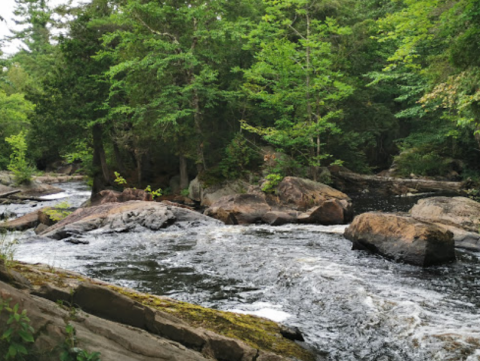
(421, 162)
(239, 158)
(273, 180)
(22, 170)
(18, 334)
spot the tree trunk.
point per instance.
(183, 172)
(101, 177)
(118, 159)
(138, 159)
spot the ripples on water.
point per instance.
(350, 305)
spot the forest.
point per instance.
(151, 89)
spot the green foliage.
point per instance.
(83, 152)
(59, 212)
(18, 334)
(122, 181)
(155, 194)
(239, 158)
(185, 192)
(22, 170)
(119, 179)
(72, 352)
(271, 183)
(421, 162)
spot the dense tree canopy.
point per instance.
(154, 89)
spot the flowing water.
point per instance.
(350, 305)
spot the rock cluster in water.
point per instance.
(295, 200)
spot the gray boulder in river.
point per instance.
(122, 217)
(402, 238)
(459, 215)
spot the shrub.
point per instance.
(273, 180)
(22, 170)
(421, 162)
(18, 333)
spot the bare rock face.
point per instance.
(296, 200)
(121, 217)
(402, 238)
(128, 194)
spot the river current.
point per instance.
(350, 305)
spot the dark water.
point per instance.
(350, 305)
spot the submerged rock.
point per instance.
(122, 217)
(402, 238)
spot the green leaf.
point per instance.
(26, 336)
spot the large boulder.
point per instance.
(214, 193)
(459, 215)
(302, 194)
(459, 212)
(402, 238)
(240, 209)
(121, 217)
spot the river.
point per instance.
(350, 305)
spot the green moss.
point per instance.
(257, 332)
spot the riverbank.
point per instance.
(203, 333)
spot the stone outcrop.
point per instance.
(122, 217)
(296, 200)
(126, 325)
(402, 238)
(459, 215)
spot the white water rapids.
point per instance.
(350, 305)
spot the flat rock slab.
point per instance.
(122, 217)
(30, 220)
(402, 238)
(6, 191)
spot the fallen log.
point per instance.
(392, 185)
